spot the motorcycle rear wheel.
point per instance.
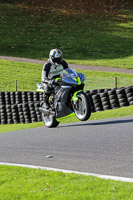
(82, 109)
(49, 120)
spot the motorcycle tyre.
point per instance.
(52, 123)
(86, 101)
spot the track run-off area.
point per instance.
(101, 148)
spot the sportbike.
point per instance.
(68, 97)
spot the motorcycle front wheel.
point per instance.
(82, 108)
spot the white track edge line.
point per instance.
(116, 178)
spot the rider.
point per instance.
(51, 70)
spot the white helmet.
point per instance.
(55, 56)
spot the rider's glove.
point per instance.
(59, 80)
(53, 82)
(56, 81)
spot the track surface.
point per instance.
(102, 147)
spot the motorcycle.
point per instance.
(68, 97)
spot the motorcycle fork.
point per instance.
(74, 96)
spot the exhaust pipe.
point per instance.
(47, 112)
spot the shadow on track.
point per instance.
(99, 123)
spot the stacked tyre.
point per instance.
(41, 96)
(9, 114)
(36, 96)
(93, 92)
(18, 97)
(13, 98)
(20, 113)
(122, 98)
(113, 99)
(24, 97)
(38, 114)
(15, 114)
(30, 97)
(105, 101)
(97, 102)
(7, 98)
(89, 96)
(3, 115)
(101, 90)
(2, 98)
(32, 112)
(26, 113)
(129, 94)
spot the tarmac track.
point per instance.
(101, 146)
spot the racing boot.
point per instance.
(46, 102)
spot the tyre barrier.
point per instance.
(10, 98)
(106, 99)
(20, 113)
(23, 107)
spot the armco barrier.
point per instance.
(23, 107)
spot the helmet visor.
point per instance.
(57, 60)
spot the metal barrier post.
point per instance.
(115, 82)
(16, 85)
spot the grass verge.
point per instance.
(19, 183)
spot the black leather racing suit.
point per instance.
(49, 72)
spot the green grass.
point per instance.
(120, 112)
(15, 127)
(83, 38)
(28, 74)
(17, 183)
